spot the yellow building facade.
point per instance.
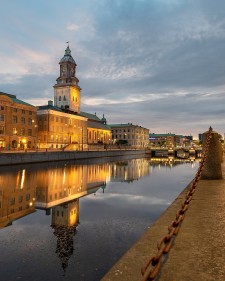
(18, 123)
(59, 130)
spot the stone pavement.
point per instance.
(198, 252)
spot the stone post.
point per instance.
(212, 168)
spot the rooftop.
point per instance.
(14, 99)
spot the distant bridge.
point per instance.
(180, 152)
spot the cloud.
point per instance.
(158, 64)
(73, 27)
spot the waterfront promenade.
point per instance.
(13, 158)
(198, 251)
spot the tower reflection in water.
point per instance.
(56, 188)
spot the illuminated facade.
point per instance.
(58, 129)
(63, 125)
(97, 130)
(17, 198)
(67, 183)
(132, 135)
(18, 123)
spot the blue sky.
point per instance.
(156, 63)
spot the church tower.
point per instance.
(66, 90)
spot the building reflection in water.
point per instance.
(58, 192)
(65, 219)
(17, 195)
(129, 170)
(56, 188)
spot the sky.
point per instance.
(159, 64)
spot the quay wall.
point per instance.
(49, 156)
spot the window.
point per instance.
(27, 197)
(2, 117)
(14, 109)
(30, 112)
(2, 107)
(23, 120)
(52, 118)
(12, 201)
(23, 111)
(14, 119)
(29, 121)
(29, 132)
(2, 130)
(20, 199)
(64, 98)
(14, 131)
(60, 98)
(57, 119)
(22, 132)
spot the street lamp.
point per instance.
(82, 148)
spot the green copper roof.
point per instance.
(162, 135)
(98, 125)
(121, 125)
(90, 116)
(44, 107)
(14, 99)
(68, 57)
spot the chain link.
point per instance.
(152, 266)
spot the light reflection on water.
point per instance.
(72, 221)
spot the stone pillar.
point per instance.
(212, 168)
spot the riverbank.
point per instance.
(198, 251)
(13, 158)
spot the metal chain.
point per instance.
(152, 266)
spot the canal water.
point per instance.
(73, 220)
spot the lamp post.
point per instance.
(82, 148)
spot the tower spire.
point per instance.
(67, 90)
(68, 51)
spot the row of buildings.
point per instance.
(169, 140)
(61, 124)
